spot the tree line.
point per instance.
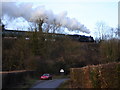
(48, 54)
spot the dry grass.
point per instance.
(64, 85)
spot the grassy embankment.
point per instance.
(64, 85)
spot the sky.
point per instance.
(87, 12)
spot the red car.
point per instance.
(46, 77)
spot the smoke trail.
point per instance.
(28, 12)
(14, 11)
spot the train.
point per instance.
(17, 33)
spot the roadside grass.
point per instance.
(60, 76)
(29, 82)
(64, 85)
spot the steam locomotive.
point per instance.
(82, 38)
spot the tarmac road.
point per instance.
(48, 84)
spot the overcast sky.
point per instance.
(87, 12)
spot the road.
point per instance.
(50, 84)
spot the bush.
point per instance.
(96, 76)
(110, 50)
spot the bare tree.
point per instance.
(118, 32)
(100, 27)
(53, 28)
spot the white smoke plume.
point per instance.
(31, 13)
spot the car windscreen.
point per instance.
(45, 74)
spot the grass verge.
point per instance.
(60, 76)
(64, 85)
(29, 82)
